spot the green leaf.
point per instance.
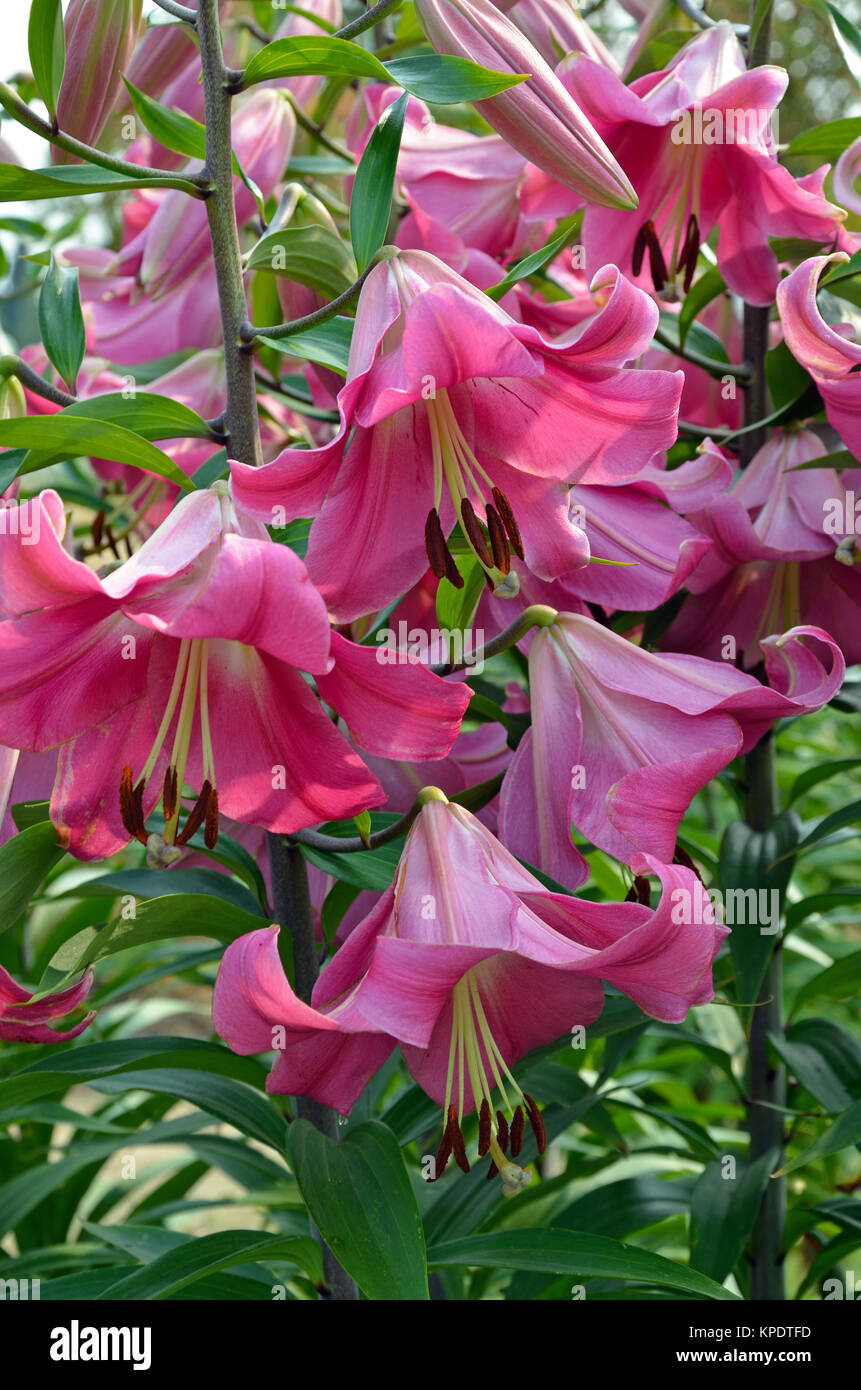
(826, 141)
(842, 1134)
(46, 41)
(433, 77)
(838, 981)
(371, 202)
(150, 416)
(456, 608)
(798, 912)
(25, 861)
(701, 293)
(77, 436)
(61, 321)
(573, 1252)
(365, 868)
(360, 1198)
(310, 256)
(233, 1101)
(825, 1058)
(191, 1261)
(787, 380)
(182, 133)
(841, 458)
(445, 80)
(27, 813)
(820, 772)
(847, 36)
(327, 343)
(312, 55)
(19, 185)
(723, 1211)
(160, 919)
(747, 865)
(529, 265)
(847, 815)
(173, 129)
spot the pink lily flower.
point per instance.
(623, 738)
(184, 665)
(456, 409)
(781, 554)
(23, 1022)
(846, 172)
(830, 353)
(688, 184)
(449, 964)
(537, 117)
(23, 777)
(555, 27)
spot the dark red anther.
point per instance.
(458, 1147)
(517, 1128)
(690, 251)
(443, 1154)
(438, 553)
(498, 541)
(537, 1122)
(501, 1130)
(210, 830)
(170, 793)
(512, 530)
(483, 1129)
(131, 806)
(639, 892)
(196, 816)
(471, 526)
(657, 264)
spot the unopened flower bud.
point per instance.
(100, 40)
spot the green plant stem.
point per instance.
(291, 901)
(16, 366)
(367, 21)
(291, 897)
(767, 1078)
(194, 185)
(739, 370)
(241, 414)
(249, 333)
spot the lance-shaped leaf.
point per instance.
(753, 866)
(61, 321)
(46, 41)
(77, 436)
(312, 256)
(371, 203)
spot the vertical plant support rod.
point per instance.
(289, 875)
(767, 1085)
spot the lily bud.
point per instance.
(538, 117)
(100, 40)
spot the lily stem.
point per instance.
(767, 1088)
(292, 900)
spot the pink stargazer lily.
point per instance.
(450, 964)
(21, 1021)
(830, 352)
(456, 409)
(185, 664)
(696, 142)
(784, 553)
(537, 117)
(623, 738)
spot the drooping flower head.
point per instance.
(455, 412)
(468, 962)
